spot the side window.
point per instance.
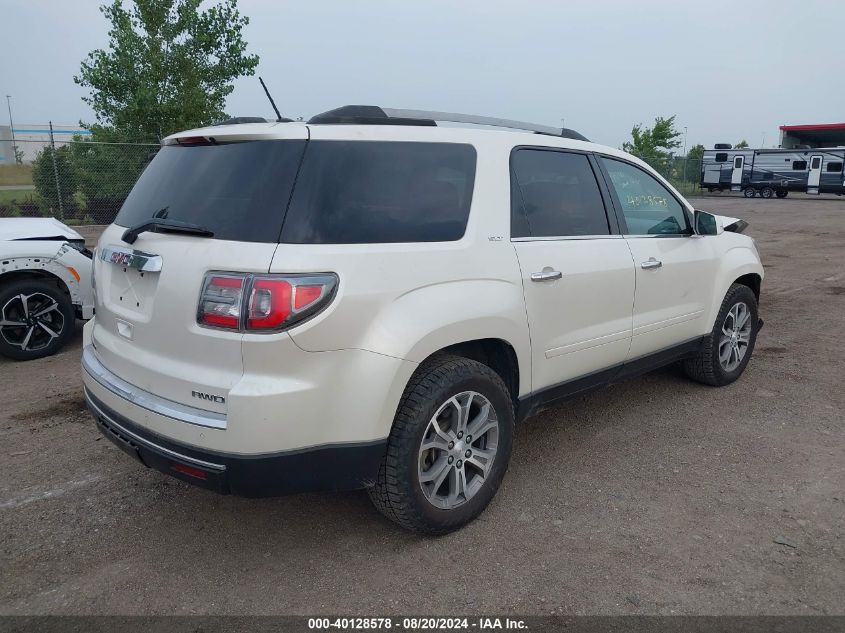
(722, 157)
(555, 194)
(834, 167)
(648, 206)
(799, 165)
(373, 192)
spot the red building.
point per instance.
(818, 135)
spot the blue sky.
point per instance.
(728, 69)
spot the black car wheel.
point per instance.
(449, 448)
(36, 319)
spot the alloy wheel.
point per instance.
(458, 449)
(31, 322)
(735, 337)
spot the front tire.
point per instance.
(449, 447)
(727, 349)
(36, 319)
(767, 192)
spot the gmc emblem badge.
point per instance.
(121, 259)
(208, 396)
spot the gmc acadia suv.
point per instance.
(369, 300)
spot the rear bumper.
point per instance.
(345, 466)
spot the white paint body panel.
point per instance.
(21, 250)
(33, 228)
(580, 323)
(339, 376)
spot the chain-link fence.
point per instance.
(78, 181)
(684, 173)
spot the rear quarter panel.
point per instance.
(411, 300)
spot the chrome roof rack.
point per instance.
(374, 115)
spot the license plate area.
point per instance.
(130, 280)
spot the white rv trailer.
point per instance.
(774, 172)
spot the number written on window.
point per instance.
(649, 208)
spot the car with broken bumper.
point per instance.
(45, 286)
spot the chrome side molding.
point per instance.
(139, 260)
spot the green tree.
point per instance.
(692, 165)
(44, 177)
(743, 144)
(106, 173)
(653, 145)
(169, 66)
(696, 152)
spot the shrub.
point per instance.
(44, 177)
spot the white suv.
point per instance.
(369, 300)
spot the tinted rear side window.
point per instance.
(365, 192)
(237, 190)
(555, 194)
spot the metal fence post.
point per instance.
(56, 173)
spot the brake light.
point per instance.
(246, 302)
(193, 140)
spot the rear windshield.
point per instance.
(357, 192)
(239, 191)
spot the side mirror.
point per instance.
(707, 223)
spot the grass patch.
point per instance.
(15, 174)
(7, 196)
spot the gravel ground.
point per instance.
(655, 496)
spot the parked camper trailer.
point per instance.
(774, 172)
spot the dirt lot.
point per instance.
(654, 496)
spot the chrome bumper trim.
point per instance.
(147, 400)
(148, 444)
(130, 258)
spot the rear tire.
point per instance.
(726, 351)
(767, 192)
(431, 455)
(36, 319)
(749, 192)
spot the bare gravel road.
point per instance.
(655, 496)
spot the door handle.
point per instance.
(651, 263)
(547, 274)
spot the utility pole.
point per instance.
(684, 179)
(12, 127)
(56, 173)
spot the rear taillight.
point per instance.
(221, 300)
(262, 302)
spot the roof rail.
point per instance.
(374, 115)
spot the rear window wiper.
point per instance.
(167, 226)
